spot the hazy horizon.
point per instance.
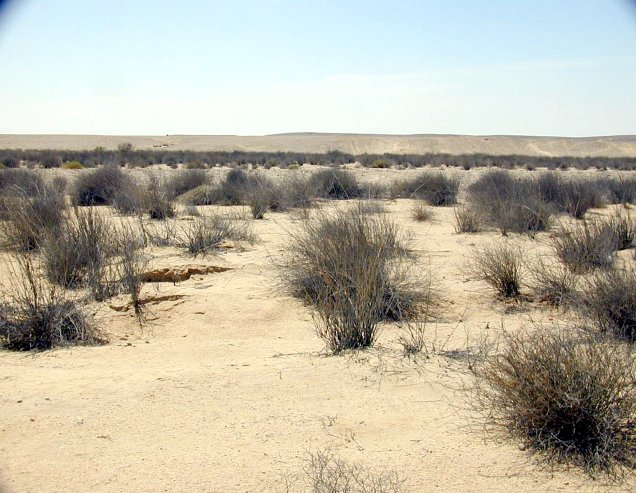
(248, 68)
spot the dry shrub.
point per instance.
(298, 191)
(100, 186)
(588, 246)
(352, 268)
(36, 316)
(29, 216)
(184, 180)
(609, 300)
(335, 184)
(436, 188)
(623, 228)
(553, 282)
(77, 254)
(467, 220)
(324, 472)
(24, 180)
(421, 213)
(571, 398)
(512, 205)
(261, 194)
(155, 200)
(501, 266)
(130, 266)
(206, 234)
(203, 195)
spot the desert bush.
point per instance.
(131, 267)
(509, 204)
(553, 282)
(335, 184)
(499, 265)
(582, 195)
(609, 299)
(622, 190)
(467, 220)
(155, 200)
(184, 180)
(99, 186)
(77, 254)
(205, 234)
(24, 180)
(30, 216)
(421, 213)
(324, 472)
(570, 398)
(585, 247)
(437, 188)
(351, 267)
(233, 187)
(203, 195)
(298, 191)
(261, 194)
(37, 316)
(623, 229)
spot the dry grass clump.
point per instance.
(24, 180)
(335, 184)
(202, 195)
(588, 246)
(623, 228)
(206, 234)
(30, 216)
(436, 188)
(553, 282)
(351, 267)
(156, 201)
(467, 220)
(512, 205)
(570, 398)
(501, 266)
(324, 472)
(36, 316)
(261, 194)
(609, 300)
(77, 254)
(421, 213)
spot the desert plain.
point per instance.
(228, 388)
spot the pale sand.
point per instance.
(228, 389)
(610, 146)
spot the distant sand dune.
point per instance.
(610, 146)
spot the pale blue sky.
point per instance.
(534, 67)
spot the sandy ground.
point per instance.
(610, 146)
(228, 389)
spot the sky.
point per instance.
(249, 67)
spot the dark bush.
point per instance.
(609, 299)
(28, 217)
(437, 188)
(35, 316)
(156, 201)
(99, 186)
(23, 180)
(623, 228)
(184, 180)
(77, 254)
(335, 184)
(570, 398)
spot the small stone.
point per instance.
(522, 446)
